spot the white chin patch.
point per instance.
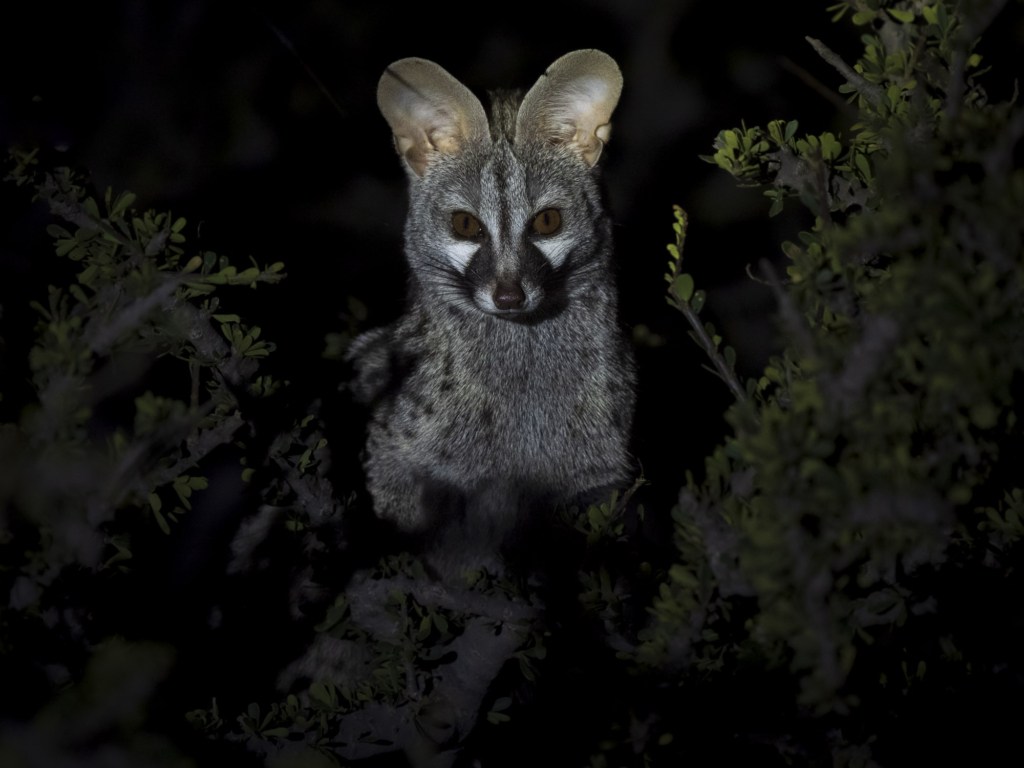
(460, 253)
(555, 249)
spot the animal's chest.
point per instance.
(508, 404)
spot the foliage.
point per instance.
(847, 559)
(870, 473)
(86, 508)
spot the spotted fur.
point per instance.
(479, 415)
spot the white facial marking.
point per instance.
(485, 300)
(459, 253)
(555, 249)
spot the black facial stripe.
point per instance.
(500, 173)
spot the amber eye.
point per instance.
(465, 224)
(547, 221)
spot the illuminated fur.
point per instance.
(483, 415)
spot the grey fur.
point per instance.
(481, 417)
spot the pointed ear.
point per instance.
(572, 103)
(429, 111)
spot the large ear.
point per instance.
(572, 103)
(429, 111)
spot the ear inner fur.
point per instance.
(429, 112)
(572, 103)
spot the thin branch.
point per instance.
(101, 338)
(755, 278)
(727, 374)
(818, 87)
(790, 316)
(982, 22)
(724, 371)
(67, 205)
(871, 92)
(955, 87)
(312, 75)
(640, 482)
(821, 179)
(968, 33)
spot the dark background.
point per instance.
(198, 107)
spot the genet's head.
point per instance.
(504, 211)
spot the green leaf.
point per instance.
(863, 17)
(894, 95)
(864, 167)
(123, 201)
(791, 129)
(162, 522)
(64, 247)
(319, 692)
(502, 704)
(842, 9)
(905, 16)
(697, 302)
(830, 148)
(682, 287)
(247, 275)
(78, 293)
(278, 732)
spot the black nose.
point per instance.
(509, 295)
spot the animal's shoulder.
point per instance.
(383, 356)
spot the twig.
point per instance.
(66, 205)
(821, 180)
(955, 87)
(755, 278)
(101, 338)
(981, 22)
(724, 371)
(872, 92)
(817, 86)
(968, 33)
(790, 316)
(640, 482)
(312, 75)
